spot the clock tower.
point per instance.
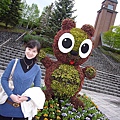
(105, 19)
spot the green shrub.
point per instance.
(65, 81)
(37, 31)
(48, 50)
(45, 41)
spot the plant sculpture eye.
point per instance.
(85, 48)
(66, 43)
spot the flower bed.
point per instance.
(58, 109)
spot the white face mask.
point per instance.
(31, 52)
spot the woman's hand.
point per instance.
(15, 98)
(22, 98)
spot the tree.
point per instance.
(24, 12)
(112, 37)
(62, 9)
(44, 18)
(30, 14)
(10, 12)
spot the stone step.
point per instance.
(101, 91)
(97, 81)
(98, 85)
(106, 79)
(7, 48)
(12, 52)
(4, 60)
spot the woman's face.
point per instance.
(31, 52)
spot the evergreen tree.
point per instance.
(62, 9)
(44, 18)
(10, 12)
(32, 15)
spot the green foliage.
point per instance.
(90, 72)
(41, 55)
(44, 18)
(79, 36)
(45, 41)
(30, 15)
(37, 31)
(10, 12)
(48, 50)
(112, 37)
(115, 54)
(65, 81)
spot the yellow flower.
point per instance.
(45, 115)
(36, 117)
(51, 106)
(57, 104)
(86, 97)
(58, 118)
(38, 110)
(96, 106)
(45, 119)
(58, 111)
(45, 107)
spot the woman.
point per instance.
(26, 73)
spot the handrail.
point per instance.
(5, 42)
(20, 36)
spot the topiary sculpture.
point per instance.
(72, 47)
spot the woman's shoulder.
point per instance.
(37, 66)
(13, 60)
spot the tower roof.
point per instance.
(114, 1)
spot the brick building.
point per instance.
(105, 18)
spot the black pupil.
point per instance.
(67, 43)
(85, 48)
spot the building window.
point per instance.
(110, 7)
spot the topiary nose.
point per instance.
(72, 52)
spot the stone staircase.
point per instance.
(106, 81)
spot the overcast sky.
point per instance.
(86, 10)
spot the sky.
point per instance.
(86, 10)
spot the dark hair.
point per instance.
(34, 43)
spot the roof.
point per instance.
(115, 1)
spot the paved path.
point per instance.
(107, 104)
